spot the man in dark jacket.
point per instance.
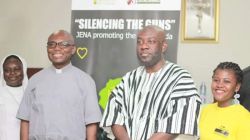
(245, 89)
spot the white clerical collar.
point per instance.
(58, 71)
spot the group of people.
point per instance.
(156, 101)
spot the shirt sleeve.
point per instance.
(182, 109)
(24, 110)
(92, 112)
(113, 112)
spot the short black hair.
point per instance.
(231, 66)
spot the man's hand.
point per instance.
(120, 132)
(162, 136)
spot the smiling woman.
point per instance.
(219, 121)
(226, 82)
(12, 85)
(13, 71)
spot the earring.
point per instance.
(236, 97)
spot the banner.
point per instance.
(105, 34)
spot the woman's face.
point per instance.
(13, 72)
(224, 85)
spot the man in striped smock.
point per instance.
(157, 100)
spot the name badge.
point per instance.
(221, 131)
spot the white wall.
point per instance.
(25, 26)
(201, 59)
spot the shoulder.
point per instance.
(78, 73)
(208, 106)
(3, 91)
(134, 72)
(207, 110)
(242, 116)
(175, 69)
(239, 108)
(83, 79)
(180, 77)
(40, 74)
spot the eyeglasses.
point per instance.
(148, 42)
(63, 44)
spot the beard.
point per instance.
(150, 60)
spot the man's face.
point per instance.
(149, 48)
(13, 72)
(60, 48)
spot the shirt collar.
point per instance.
(62, 70)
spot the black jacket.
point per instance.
(245, 89)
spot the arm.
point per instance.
(24, 130)
(162, 136)
(91, 131)
(120, 132)
(113, 117)
(92, 112)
